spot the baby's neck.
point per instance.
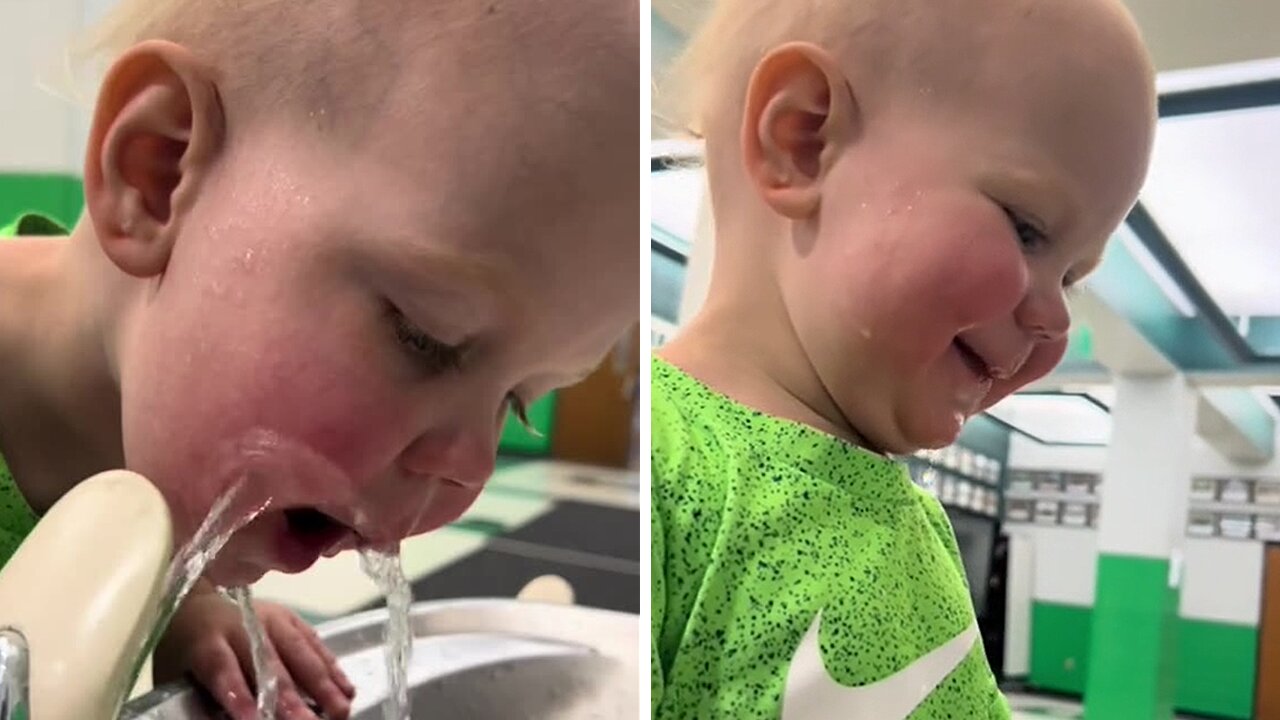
(725, 349)
(59, 405)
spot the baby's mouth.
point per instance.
(314, 529)
(974, 361)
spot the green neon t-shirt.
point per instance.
(796, 576)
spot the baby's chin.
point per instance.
(926, 429)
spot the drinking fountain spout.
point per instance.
(80, 599)
(14, 688)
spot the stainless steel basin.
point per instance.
(475, 660)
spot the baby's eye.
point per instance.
(433, 356)
(1029, 235)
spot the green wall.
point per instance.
(1216, 662)
(58, 196)
(1134, 630)
(1217, 667)
(1059, 646)
(516, 440)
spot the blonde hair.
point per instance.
(893, 42)
(301, 54)
(709, 79)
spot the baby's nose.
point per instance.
(465, 458)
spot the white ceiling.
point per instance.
(1185, 34)
(1065, 419)
(1213, 190)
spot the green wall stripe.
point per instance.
(59, 196)
(1132, 653)
(1059, 646)
(1217, 665)
(1215, 662)
(519, 441)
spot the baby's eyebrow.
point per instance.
(488, 272)
(435, 262)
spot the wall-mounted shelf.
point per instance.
(985, 482)
(1081, 499)
(1049, 498)
(955, 489)
(959, 460)
(1234, 508)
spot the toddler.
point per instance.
(903, 192)
(358, 231)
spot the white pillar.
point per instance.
(1147, 476)
(1145, 488)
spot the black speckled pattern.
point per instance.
(17, 520)
(760, 523)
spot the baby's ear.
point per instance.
(157, 128)
(800, 113)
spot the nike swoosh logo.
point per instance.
(811, 693)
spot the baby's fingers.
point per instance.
(330, 660)
(216, 667)
(289, 702)
(310, 669)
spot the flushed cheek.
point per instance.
(359, 428)
(980, 272)
(333, 436)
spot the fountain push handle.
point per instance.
(80, 598)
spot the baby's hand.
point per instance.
(207, 640)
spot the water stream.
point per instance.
(387, 573)
(265, 679)
(235, 509)
(191, 559)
